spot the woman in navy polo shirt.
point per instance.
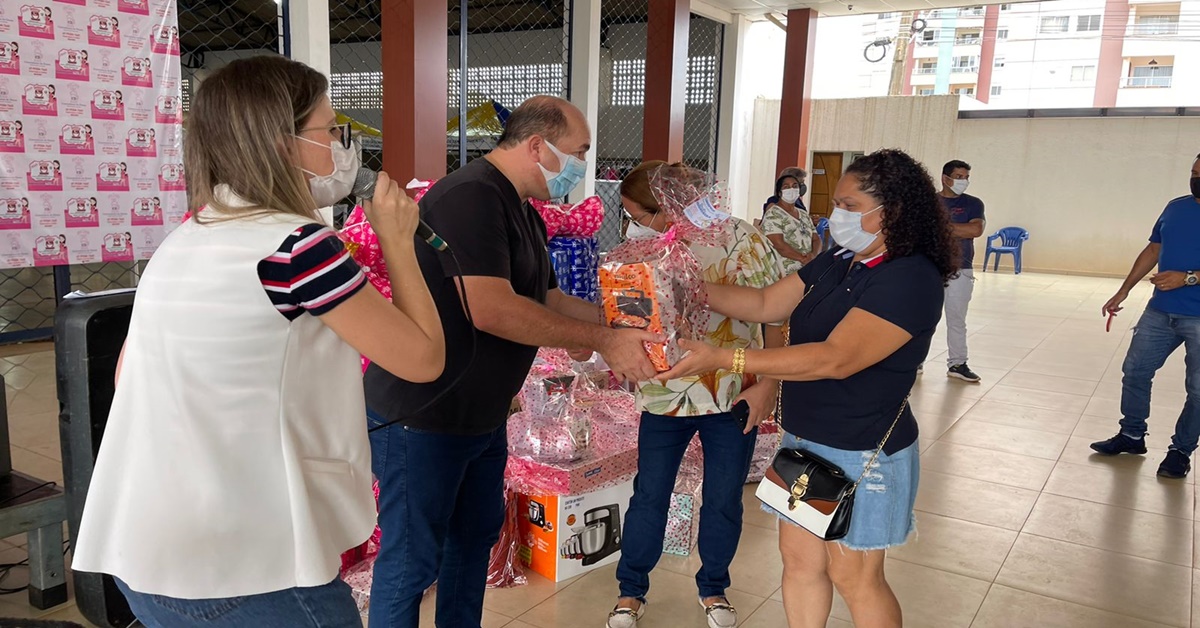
(862, 317)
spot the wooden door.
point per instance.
(823, 178)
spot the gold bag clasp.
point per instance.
(799, 488)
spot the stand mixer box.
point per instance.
(563, 536)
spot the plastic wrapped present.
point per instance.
(581, 220)
(765, 447)
(359, 578)
(576, 264)
(655, 284)
(683, 524)
(504, 566)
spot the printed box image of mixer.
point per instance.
(563, 536)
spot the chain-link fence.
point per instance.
(623, 39)
(513, 50)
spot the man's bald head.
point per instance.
(548, 117)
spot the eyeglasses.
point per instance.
(339, 133)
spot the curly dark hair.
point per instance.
(914, 221)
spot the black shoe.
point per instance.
(963, 372)
(1120, 444)
(1175, 466)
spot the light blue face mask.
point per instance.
(573, 170)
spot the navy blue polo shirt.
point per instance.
(963, 209)
(855, 413)
(1178, 231)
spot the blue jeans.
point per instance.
(662, 441)
(328, 606)
(1156, 336)
(441, 506)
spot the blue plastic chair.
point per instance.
(823, 232)
(1011, 239)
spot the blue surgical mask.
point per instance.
(560, 183)
(846, 228)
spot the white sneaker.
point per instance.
(625, 617)
(720, 614)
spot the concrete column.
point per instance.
(585, 79)
(796, 107)
(666, 79)
(414, 49)
(733, 132)
(308, 33)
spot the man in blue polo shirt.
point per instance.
(966, 218)
(1171, 319)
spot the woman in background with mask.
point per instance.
(862, 317)
(235, 467)
(787, 223)
(674, 411)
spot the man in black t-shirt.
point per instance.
(966, 218)
(441, 467)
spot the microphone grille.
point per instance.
(364, 183)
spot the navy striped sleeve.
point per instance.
(310, 272)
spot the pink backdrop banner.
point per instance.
(91, 130)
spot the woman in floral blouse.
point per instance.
(787, 223)
(672, 413)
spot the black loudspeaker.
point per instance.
(89, 332)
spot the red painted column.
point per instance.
(796, 109)
(666, 79)
(414, 88)
(1112, 58)
(987, 55)
(910, 62)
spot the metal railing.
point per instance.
(1147, 81)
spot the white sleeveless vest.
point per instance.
(236, 458)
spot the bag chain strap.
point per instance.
(787, 336)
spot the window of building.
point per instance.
(509, 85)
(1156, 25)
(966, 64)
(927, 67)
(996, 90)
(629, 81)
(925, 92)
(1055, 24)
(1083, 73)
(1001, 34)
(971, 11)
(886, 16)
(1150, 76)
(356, 90)
(1006, 7)
(967, 39)
(965, 91)
(929, 36)
(998, 63)
(1088, 23)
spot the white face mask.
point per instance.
(328, 189)
(790, 195)
(959, 186)
(846, 228)
(638, 231)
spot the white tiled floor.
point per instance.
(1020, 525)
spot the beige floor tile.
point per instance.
(946, 405)
(1117, 487)
(515, 601)
(962, 547)
(1027, 417)
(974, 500)
(752, 512)
(756, 568)
(1005, 607)
(36, 465)
(1014, 440)
(1052, 383)
(1162, 414)
(1130, 585)
(1195, 598)
(989, 465)
(1092, 370)
(933, 425)
(1156, 537)
(588, 600)
(1059, 401)
(929, 598)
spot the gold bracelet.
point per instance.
(739, 362)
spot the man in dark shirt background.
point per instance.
(441, 468)
(966, 218)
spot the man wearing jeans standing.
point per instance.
(441, 464)
(1171, 319)
(966, 218)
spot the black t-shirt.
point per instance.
(855, 413)
(493, 233)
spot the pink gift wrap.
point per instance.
(683, 524)
(581, 220)
(765, 447)
(504, 566)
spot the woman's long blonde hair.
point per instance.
(242, 122)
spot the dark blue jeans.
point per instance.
(328, 606)
(662, 441)
(441, 505)
(1155, 338)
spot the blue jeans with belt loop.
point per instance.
(662, 441)
(1156, 336)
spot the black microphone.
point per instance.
(364, 187)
